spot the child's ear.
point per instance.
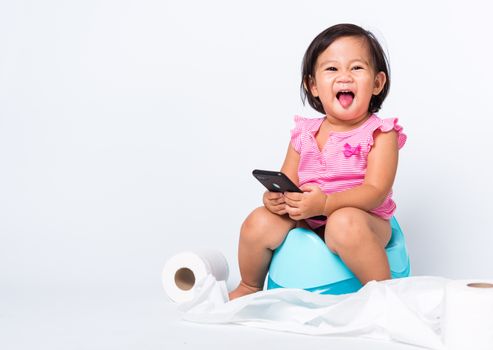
(311, 86)
(380, 80)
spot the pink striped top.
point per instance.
(342, 163)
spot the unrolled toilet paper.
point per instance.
(183, 272)
(431, 312)
(468, 315)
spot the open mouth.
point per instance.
(345, 98)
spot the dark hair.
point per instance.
(326, 38)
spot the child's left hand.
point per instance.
(307, 204)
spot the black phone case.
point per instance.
(275, 181)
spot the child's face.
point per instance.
(345, 79)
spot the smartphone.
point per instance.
(276, 181)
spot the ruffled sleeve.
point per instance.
(386, 125)
(296, 132)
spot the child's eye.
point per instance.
(332, 69)
(357, 67)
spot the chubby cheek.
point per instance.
(325, 91)
(368, 85)
(363, 93)
(323, 84)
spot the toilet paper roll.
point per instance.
(468, 315)
(183, 271)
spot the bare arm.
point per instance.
(273, 201)
(290, 165)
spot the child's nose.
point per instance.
(344, 77)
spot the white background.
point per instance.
(129, 130)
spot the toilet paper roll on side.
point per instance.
(183, 271)
(468, 315)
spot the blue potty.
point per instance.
(304, 261)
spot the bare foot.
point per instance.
(241, 290)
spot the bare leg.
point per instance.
(261, 233)
(359, 238)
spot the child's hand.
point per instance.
(307, 204)
(274, 202)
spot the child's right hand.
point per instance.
(274, 202)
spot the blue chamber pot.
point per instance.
(304, 261)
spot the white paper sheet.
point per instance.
(406, 310)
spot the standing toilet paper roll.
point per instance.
(468, 316)
(183, 271)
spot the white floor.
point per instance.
(120, 318)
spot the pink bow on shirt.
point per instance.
(349, 150)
